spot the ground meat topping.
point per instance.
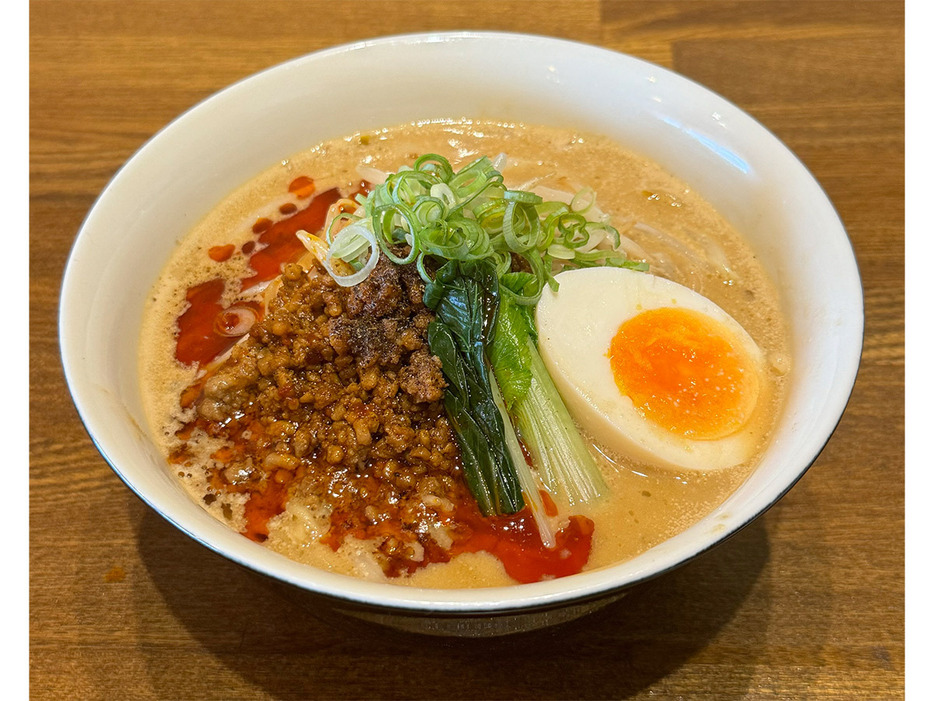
(334, 395)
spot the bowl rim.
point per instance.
(467, 602)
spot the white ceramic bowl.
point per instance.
(185, 169)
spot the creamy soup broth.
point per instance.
(660, 218)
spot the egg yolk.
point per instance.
(682, 372)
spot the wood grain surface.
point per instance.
(806, 603)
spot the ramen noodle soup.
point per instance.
(303, 381)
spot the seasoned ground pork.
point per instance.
(335, 396)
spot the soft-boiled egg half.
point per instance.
(653, 370)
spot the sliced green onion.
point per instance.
(560, 251)
(583, 200)
(430, 214)
(521, 196)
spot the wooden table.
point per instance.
(805, 603)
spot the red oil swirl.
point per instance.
(262, 506)
(278, 243)
(302, 187)
(513, 539)
(197, 342)
(203, 325)
(221, 253)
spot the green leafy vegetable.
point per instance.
(487, 346)
(564, 462)
(465, 301)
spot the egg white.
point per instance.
(576, 325)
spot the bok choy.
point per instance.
(497, 384)
(565, 465)
(466, 307)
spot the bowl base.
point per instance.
(482, 626)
